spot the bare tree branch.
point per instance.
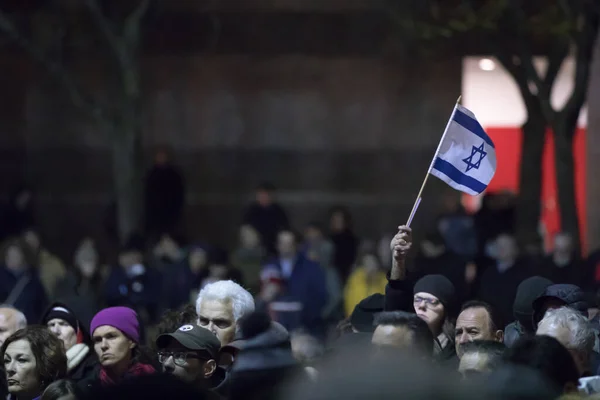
(105, 26)
(80, 99)
(131, 30)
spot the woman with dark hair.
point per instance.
(345, 242)
(61, 390)
(116, 337)
(63, 322)
(33, 358)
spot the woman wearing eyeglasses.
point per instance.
(434, 302)
(116, 336)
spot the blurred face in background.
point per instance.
(313, 234)
(371, 264)
(505, 248)
(15, 259)
(264, 198)
(33, 240)
(563, 245)
(286, 244)
(86, 259)
(8, 323)
(197, 260)
(161, 158)
(337, 222)
(249, 237)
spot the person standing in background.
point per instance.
(345, 242)
(164, 195)
(266, 216)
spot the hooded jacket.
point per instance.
(528, 290)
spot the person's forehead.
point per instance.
(477, 316)
(106, 330)
(425, 295)
(216, 309)
(19, 346)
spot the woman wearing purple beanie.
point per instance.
(116, 335)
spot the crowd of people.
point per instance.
(321, 314)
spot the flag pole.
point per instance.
(418, 199)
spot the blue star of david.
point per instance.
(474, 152)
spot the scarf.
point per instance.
(75, 355)
(137, 369)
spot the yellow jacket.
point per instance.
(357, 288)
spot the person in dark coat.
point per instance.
(434, 258)
(498, 282)
(563, 265)
(295, 288)
(132, 283)
(17, 215)
(164, 195)
(20, 285)
(265, 362)
(345, 242)
(529, 290)
(64, 323)
(267, 217)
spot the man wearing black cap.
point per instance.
(189, 353)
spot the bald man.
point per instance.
(11, 320)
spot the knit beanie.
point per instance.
(527, 291)
(61, 312)
(121, 318)
(440, 287)
(363, 315)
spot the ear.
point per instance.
(499, 336)
(209, 368)
(132, 344)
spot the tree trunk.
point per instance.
(530, 178)
(565, 178)
(127, 176)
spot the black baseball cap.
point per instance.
(192, 337)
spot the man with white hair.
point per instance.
(11, 320)
(574, 332)
(220, 306)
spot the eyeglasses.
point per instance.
(429, 303)
(179, 357)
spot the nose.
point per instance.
(10, 368)
(55, 330)
(464, 338)
(422, 306)
(169, 365)
(211, 327)
(104, 345)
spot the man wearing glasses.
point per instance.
(190, 354)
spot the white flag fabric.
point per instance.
(466, 157)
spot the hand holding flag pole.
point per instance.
(463, 142)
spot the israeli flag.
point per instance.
(466, 156)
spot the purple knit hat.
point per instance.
(122, 318)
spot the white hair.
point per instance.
(581, 333)
(241, 300)
(20, 320)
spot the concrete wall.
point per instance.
(358, 131)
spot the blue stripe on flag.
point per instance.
(453, 173)
(472, 125)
